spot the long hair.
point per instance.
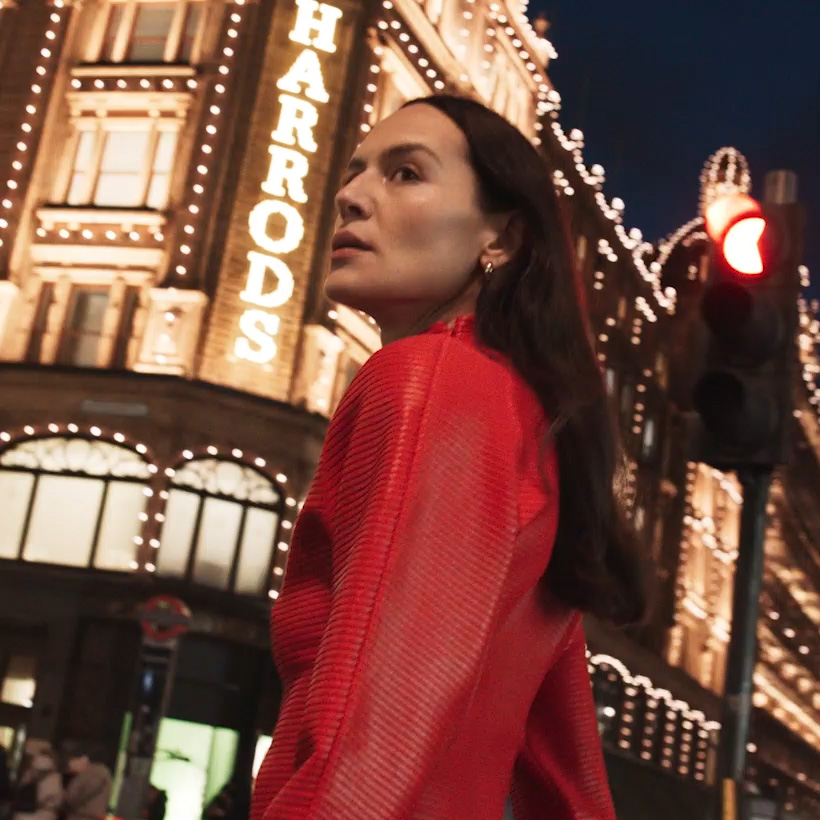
(533, 311)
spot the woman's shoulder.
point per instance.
(420, 368)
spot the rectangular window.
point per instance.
(152, 25)
(218, 534)
(15, 493)
(649, 438)
(19, 682)
(120, 525)
(81, 171)
(63, 520)
(83, 327)
(122, 168)
(253, 567)
(147, 31)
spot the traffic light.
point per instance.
(748, 312)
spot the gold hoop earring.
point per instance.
(488, 271)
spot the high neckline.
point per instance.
(460, 326)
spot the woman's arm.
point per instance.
(423, 529)
(560, 771)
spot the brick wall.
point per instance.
(22, 37)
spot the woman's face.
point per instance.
(410, 235)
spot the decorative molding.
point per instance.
(50, 216)
(106, 256)
(129, 70)
(172, 329)
(95, 276)
(101, 103)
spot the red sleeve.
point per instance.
(560, 770)
(422, 528)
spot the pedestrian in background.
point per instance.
(463, 515)
(88, 790)
(39, 792)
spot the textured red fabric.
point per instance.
(426, 672)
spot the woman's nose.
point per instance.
(353, 201)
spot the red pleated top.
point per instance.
(427, 673)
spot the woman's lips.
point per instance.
(347, 252)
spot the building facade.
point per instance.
(169, 364)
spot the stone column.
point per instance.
(9, 293)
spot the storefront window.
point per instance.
(71, 501)
(192, 762)
(19, 682)
(221, 522)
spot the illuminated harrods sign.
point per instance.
(293, 140)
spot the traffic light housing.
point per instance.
(748, 323)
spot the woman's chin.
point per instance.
(341, 286)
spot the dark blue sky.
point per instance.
(658, 86)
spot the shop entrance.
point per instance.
(192, 762)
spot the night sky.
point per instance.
(657, 87)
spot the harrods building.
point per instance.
(168, 366)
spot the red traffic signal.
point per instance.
(748, 307)
(745, 241)
(741, 245)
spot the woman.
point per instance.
(428, 633)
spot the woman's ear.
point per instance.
(506, 242)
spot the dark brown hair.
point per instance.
(533, 311)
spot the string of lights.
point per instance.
(147, 542)
(184, 254)
(34, 114)
(651, 722)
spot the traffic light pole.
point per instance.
(737, 701)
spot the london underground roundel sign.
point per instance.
(164, 618)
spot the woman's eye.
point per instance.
(405, 174)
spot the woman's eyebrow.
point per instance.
(393, 153)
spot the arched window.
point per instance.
(221, 523)
(71, 501)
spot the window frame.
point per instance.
(100, 128)
(188, 575)
(38, 472)
(649, 444)
(67, 331)
(122, 40)
(126, 289)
